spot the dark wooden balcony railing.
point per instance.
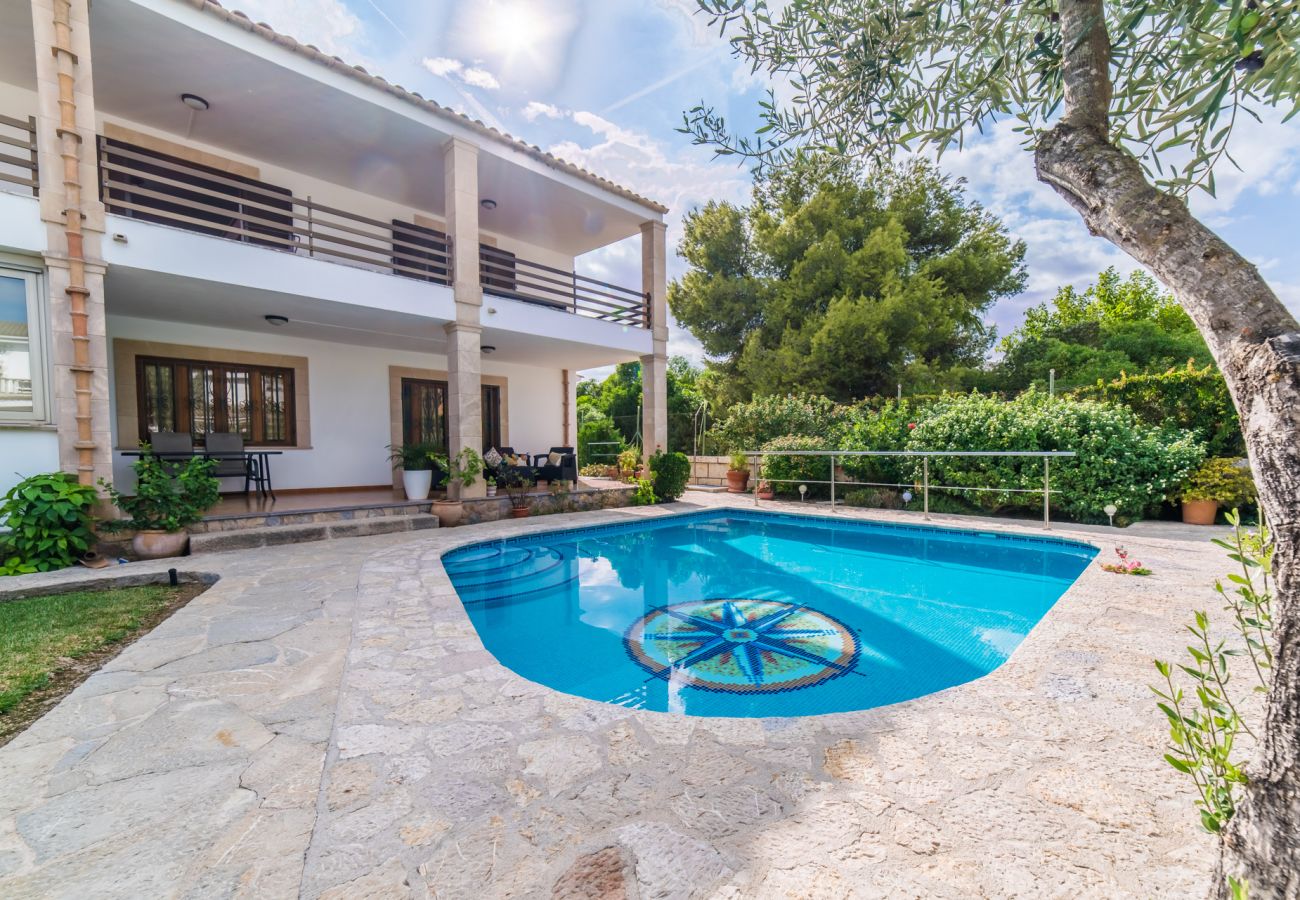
(154, 187)
(18, 153)
(506, 275)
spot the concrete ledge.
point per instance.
(98, 580)
(280, 535)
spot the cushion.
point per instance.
(492, 458)
(554, 458)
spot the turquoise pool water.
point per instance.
(739, 613)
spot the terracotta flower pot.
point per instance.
(159, 544)
(737, 481)
(765, 492)
(449, 512)
(1200, 512)
(519, 512)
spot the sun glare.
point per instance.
(517, 29)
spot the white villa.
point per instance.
(206, 226)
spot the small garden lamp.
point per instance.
(907, 496)
(803, 492)
(1110, 509)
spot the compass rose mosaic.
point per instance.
(742, 646)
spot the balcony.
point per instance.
(150, 186)
(18, 155)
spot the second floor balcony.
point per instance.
(147, 185)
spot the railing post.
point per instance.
(832, 482)
(311, 230)
(925, 485)
(1047, 493)
(757, 474)
(32, 149)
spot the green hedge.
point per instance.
(1196, 400)
(1121, 460)
(786, 473)
(751, 425)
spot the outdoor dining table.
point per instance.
(259, 462)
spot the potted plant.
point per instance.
(168, 498)
(518, 482)
(491, 485)
(461, 471)
(416, 462)
(1219, 480)
(628, 462)
(765, 491)
(738, 474)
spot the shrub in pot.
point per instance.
(49, 521)
(462, 469)
(517, 482)
(738, 473)
(417, 462)
(169, 497)
(1219, 480)
(628, 463)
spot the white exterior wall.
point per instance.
(26, 451)
(349, 402)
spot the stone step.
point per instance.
(277, 535)
(323, 515)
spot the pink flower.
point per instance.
(911, 425)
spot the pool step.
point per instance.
(278, 535)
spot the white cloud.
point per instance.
(482, 78)
(474, 76)
(536, 109)
(442, 66)
(327, 24)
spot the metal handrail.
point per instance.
(507, 275)
(1045, 455)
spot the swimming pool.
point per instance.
(745, 613)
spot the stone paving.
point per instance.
(325, 723)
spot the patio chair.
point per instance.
(233, 462)
(172, 449)
(566, 469)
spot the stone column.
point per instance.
(464, 336)
(654, 365)
(74, 225)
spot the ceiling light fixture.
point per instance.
(277, 321)
(487, 348)
(195, 102)
(488, 203)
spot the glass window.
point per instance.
(21, 396)
(203, 397)
(424, 413)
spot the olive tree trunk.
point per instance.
(1256, 343)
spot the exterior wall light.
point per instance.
(486, 349)
(195, 102)
(488, 203)
(277, 321)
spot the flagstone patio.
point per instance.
(324, 722)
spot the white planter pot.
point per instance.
(417, 484)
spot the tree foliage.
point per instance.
(1115, 327)
(866, 78)
(610, 409)
(843, 282)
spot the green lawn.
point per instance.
(39, 636)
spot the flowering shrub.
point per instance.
(1126, 565)
(751, 425)
(1121, 460)
(786, 473)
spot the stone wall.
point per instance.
(709, 469)
(490, 509)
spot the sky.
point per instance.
(603, 84)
